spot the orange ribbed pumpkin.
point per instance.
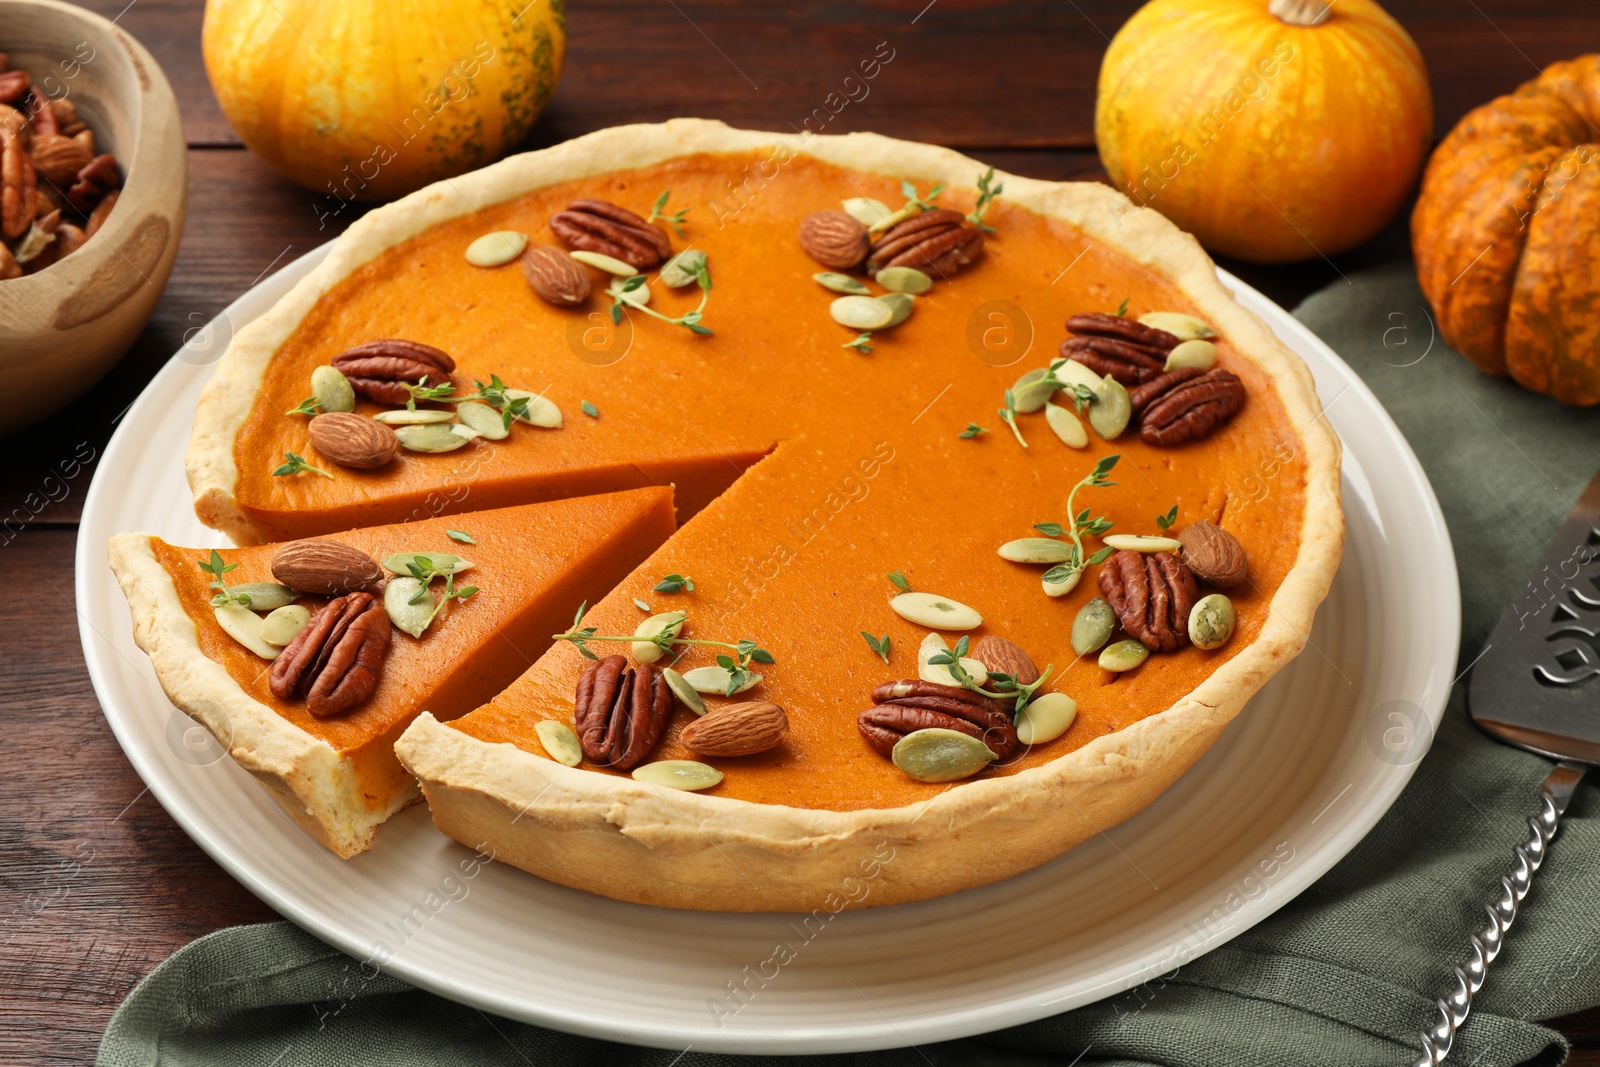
(1505, 239)
(1273, 130)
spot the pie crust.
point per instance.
(611, 835)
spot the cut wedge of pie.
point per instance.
(337, 775)
(829, 456)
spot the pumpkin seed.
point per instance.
(684, 691)
(412, 618)
(1066, 426)
(1111, 409)
(609, 264)
(935, 612)
(559, 740)
(332, 389)
(1063, 587)
(1032, 391)
(431, 437)
(1046, 718)
(866, 210)
(939, 755)
(678, 774)
(1092, 626)
(938, 673)
(496, 249)
(682, 269)
(901, 304)
(244, 626)
(1074, 373)
(1211, 621)
(1124, 655)
(284, 624)
(1036, 550)
(1183, 327)
(638, 296)
(483, 418)
(840, 283)
(1142, 543)
(668, 622)
(714, 680)
(420, 417)
(861, 312)
(265, 596)
(903, 280)
(443, 562)
(542, 411)
(1196, 354)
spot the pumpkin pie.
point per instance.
(336, 774)
(823, 471)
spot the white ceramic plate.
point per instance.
(1307, 769)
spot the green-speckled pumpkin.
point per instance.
(362, 100)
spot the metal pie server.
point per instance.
(1535, 687)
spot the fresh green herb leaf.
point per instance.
(1008, 415)
(988, 189)
(641, 605)
(461, 536)
(1122, 308)
(899, 581)
(1049, 529)
(297, 465)
(590, 410)
(880, 645)
(309, 406)
(1164, 522)
(860, 343)
(674, 583)
(675, 220)
(972, 430)
(217, 568)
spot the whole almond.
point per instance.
(325, 568)
(58, 159)
(1006, 657)
(737, 729)
(1214, 555)
(555, 276)
(834, 239)
(352, 440)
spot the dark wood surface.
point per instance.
(97, 883)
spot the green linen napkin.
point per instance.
(1345, 975)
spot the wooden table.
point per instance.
(97, 883)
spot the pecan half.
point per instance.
(380, 370)
(19, 197)
(1186, 406)
(41, 114)
(13, 84)
(601, 226)
(621, 712)
(1129, 351)
(97, 178)
(911, 704)
(1152, 594)
(334, 663)
(938, 242)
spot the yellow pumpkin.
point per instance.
(1273, 130)
(369, 100)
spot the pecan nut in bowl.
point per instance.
(1152, 594)
(335, 662)
(938, 242)
(603, 227)
(621, 711)
(911, 704)
(381, 370)
(1129, 351)
(1186, 405)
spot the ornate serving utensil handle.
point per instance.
(1486, 945)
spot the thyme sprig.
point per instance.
(216, 568)
(880, 645)
(511, 408)
(675, 583)
(425, 570)
(972, 430)
(297, 465)
(675, 220)
(915, 204)
(860, 344)
(1008, 415)
(691, 320)
(1083, 526)
(745, 652)
(986, 194)
(1006, 686)
(1164, 522)
(424, 392)
(309, 406)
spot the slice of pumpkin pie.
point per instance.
(307, 659)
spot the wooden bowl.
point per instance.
(63, 327)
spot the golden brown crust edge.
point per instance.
(613, 836)
(313, 783)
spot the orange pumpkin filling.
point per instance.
(810, 470)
